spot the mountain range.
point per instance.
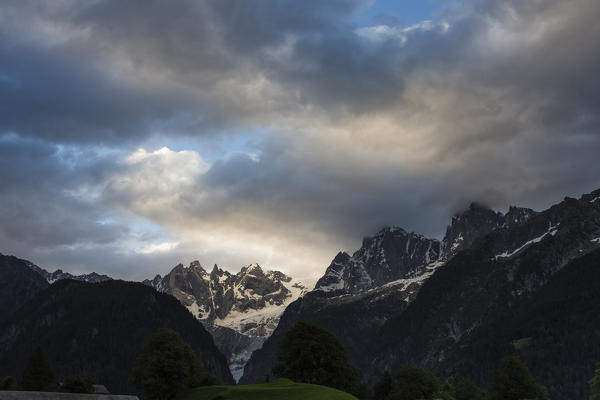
(523, 282)
(445, 313)
(239, 310)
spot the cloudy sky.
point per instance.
(136, 135)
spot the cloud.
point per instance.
(361, 126)
(158, 248)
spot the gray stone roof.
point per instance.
(20, 395)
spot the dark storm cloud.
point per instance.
(120, 70)
(111, 71)
(59, 94)
(491, 101)
(46, 202)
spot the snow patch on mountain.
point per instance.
(247, 304)
(389, 255)
(263, 321)
(552, 230)
(402, 284)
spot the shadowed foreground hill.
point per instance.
(279, 389)
(96, 330)
(18, 283)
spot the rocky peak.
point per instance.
(59, 274)
(592, 198)
(517, 215)
(389, 255)
(215, 296)
(240, 309)
(218, 275)
(179, 268)
(342, 257)
(278, 276)
(253, 279)
(477, 221)
(394, 254)
(252, 269)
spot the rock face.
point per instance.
(390, 255)
(240, 310)
(377, 282)
(451, 314)
(97, 330)
(536, 280)
(394, 254)
(473, 223)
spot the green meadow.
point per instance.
(277, 390)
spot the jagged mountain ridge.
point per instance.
(480, 292)
(241, 310)
(59, 274)
(508, 239)
(377, 282)
(221, 298)
(488, 277)
(393, 253)
(390, 255)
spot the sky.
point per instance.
(142, 134)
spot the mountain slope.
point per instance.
(495, 280)
(489, 273)
(390, 255)
(18, 283)
(96, 330)
(406, 260)
(556, 332)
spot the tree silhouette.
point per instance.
(166, 366)
(410, 382)
(311, 354)
(513, 381)
(464, 389)
(383, 387)
(38, 374)
(8, 383)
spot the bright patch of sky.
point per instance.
(212, 147)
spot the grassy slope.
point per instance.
(279, 389)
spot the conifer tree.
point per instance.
(39, 375)
(310, 354)
(166, 366)
(383, 387)
(410, 382)
(513, 381)
(8, 383)
(464, 389)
